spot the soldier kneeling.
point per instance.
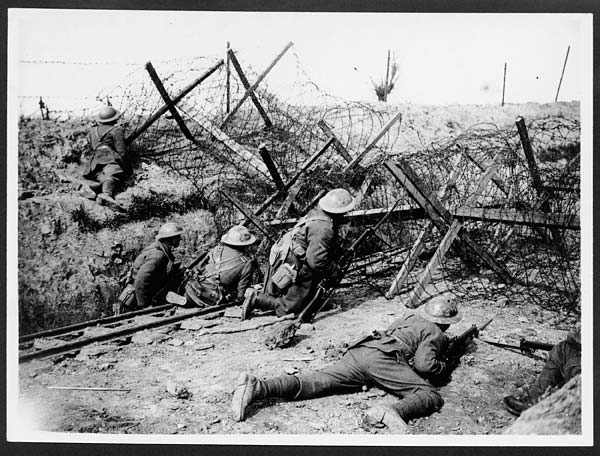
(228, 272)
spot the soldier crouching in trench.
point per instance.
(154, 271)
(306, 255)
(400, 360)
(228, 272)
(109, 163)
(564, 363)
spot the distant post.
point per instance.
(387, 75)
(228, 76)
(562, 74)
(504, 84)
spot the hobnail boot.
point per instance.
(246, 391)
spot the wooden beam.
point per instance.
(513, 217)
(249, 215)
(250, 89)
(418, 246)
(338, 144)
(366, 216)
(167, 99)
(249, 92)
(372, 144)
(138, 131)
(236, 148)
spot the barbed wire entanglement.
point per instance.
(528, 229)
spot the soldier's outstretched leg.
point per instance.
(414, 405)
(249, 389)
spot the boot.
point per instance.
(248, 389)
(416, 405)
(87, 192)
(109, 186)
(388, 415)
(516, 405)
(256, 300)
(105, 200)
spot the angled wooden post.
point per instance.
(538, 185)
(372, 144)
(307, 164)
(135, 134)
(266, 156)
(232, 145)
(171, 106)
(338, 144)
(228, 82)
(419, 244)
(249, 215)
(440, 216)
(448, 239)
(249, 92)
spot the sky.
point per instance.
(442, 58)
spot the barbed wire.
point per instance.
(544, 263)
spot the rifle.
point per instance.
(325, 290)
(458, 343)
(526, 347)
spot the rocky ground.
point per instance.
(180, 380)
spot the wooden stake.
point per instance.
(418, 246)
(562, 74)
(171, 106)
(338, 144)
(134, 135)
(249, 215)
(504, 84)
(250, 89)
(266, 156)
(227, 81)
(249, 92)
(372, 144)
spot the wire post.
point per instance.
(227, 80)
(562, 74)
(504, 84)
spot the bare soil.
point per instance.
(157, 373)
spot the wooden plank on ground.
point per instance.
(154, 117)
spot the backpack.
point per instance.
(294, 240)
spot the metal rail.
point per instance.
(100, 321)
(214, 311)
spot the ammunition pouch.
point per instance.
(284, 276)
(126, 300)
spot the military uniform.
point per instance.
(315, 248)
(227, 273)
(151, 270)
(564, 363)
(109, 163)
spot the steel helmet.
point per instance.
(238, 235)
(439, 310)
(108, 114)
(169, 230)
(338, 201)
